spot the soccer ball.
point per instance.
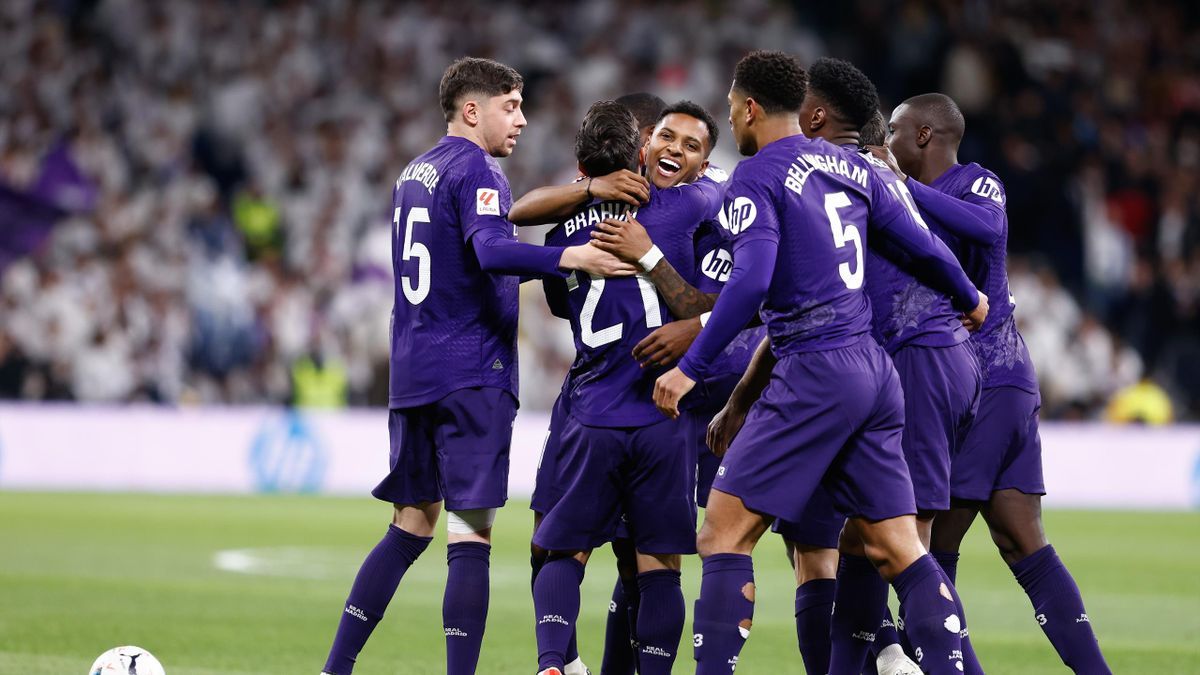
(126, 661)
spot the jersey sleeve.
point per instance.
(924, 255)
(711, 251)
(748, 211)
(978, 217)
(483, 201)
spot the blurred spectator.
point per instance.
(240, 156)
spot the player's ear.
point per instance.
(642, 152)
(924, 135)
(817, 120)
(470, 112)
(703, 168)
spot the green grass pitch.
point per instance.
(80, 573)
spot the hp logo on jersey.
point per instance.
(739, 216)
(986, 186)
(717, 264)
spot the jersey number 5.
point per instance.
(414, 249)
(844, 233)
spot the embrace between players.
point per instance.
(815, 308)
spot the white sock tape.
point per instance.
(471, 521)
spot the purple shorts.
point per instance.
(646, 474)
(832, 418)
(707, 463)
(941, 397)
(546, 486)
(454, 449)
(820, 526)
(1002, 450)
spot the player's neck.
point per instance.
(936, 164)
(468, 132)
(775, 128)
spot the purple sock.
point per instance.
(618, 653)
(948, 560)
(859, 605)
(814, 610)
(535, 564)
(465, 605)
(929, 606)
(723, 613)
(887, 634)
(556, 607)
(660, 621)
(373, 589)
(1059, 610)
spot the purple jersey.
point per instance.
(1003, 356)
(814, 200)
(609, 316)
(904, 310)
(453, 325)
(714, 258)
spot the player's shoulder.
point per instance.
(715, 174)
(983, 182)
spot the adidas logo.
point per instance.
(455, 632)
(496, 365)
(356, 613)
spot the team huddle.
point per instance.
(821, 344)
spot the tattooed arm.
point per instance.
(628, 240)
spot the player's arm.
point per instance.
(924, 255)
(726, 423)
(629, 241)
(555, 202)
(980, 221)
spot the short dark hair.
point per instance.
(941, 113)
(845, 88)
(694, 110)
(646, 108)
(470, 75)
(608, 140)
(774, 79)
(874, 132)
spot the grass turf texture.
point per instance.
(82, 573)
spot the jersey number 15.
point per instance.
(414, 250)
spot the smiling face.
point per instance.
(500, 122)
(678, 150)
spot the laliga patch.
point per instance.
(487, 202)
(953, 624)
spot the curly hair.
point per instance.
(608, 140)
(695, 110)
(470, 75)
(773, 79)
(849, 92)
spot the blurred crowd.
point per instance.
(240, 156)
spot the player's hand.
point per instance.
(622, 186)
(884, 155)
(973, 320)
(667, 344)
(590, 259)
(626, 239)
(669, 388)
(723, 428)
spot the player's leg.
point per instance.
(413, 488)
(545, 493)
(871, 480)
(724, 612)
(583, 517)
(660, 511)
(473, 435)
(620, 652)
(812, 542)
